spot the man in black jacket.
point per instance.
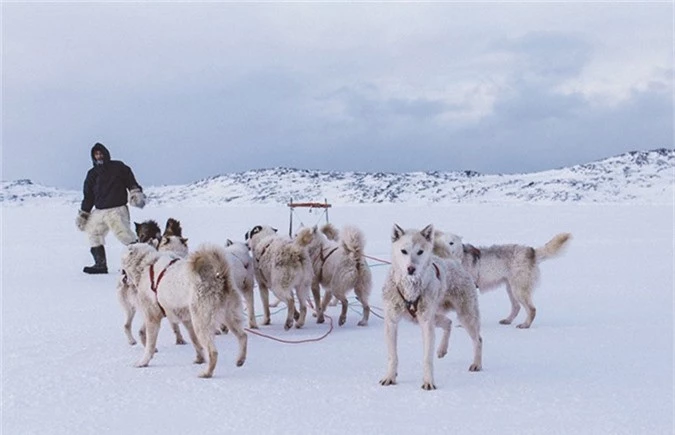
(105, 191)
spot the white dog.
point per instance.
(243, 275)
(338, 267)
(514, 265)
(196, 291)
(281, 265)
(422, 288)
(127, 293)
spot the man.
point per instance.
(105, 190)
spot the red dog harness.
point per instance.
(154, 285)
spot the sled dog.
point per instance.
(196, 291)
(281, 265)
(243, 275)
(422, 287)
(338, 268)
(517, 266)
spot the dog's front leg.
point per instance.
(428, 336)
(316, 293)
(290, 303)
(265, 298)
(152, 330)
(443, 322)
(250, 308)
(391, 336)
(176, 331)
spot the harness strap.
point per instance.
(323, 260)
(257, 259)
(411, 306)
(154, 285)
(438, 271)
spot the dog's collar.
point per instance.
(411, 306)
(154, 285)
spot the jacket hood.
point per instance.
(100, 147)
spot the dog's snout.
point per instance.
(411, 270)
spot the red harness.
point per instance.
(154, 285)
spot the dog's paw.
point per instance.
(198, 360)
(132, 342)
(523, 326)
(180, 340)
(288, 325)
(441, 353)
(505, 322)
(342, 320)
(475, 367)
(388, 381)
(362, 323)
(253, 326)
(141, 364)
(320, 319)
(240, 362)
(266, 321)
(428, 386)
(206, 375)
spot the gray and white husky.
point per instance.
(517, 266)
(422, 287)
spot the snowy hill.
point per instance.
(634, 177)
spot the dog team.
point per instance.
(432, 273)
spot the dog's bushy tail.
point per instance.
(305, 236)
(552, 248)
(173, 228)
(330, 232)
(209, 263)
(353, 242)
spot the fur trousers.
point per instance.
(115, 219)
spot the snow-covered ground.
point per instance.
(598, 359)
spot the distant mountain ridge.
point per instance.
(635, 177)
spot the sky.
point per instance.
(598, 358)
(181, 91)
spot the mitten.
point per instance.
(81, 220)
(137, 198)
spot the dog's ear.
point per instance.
(184, 240)
(428, 232)
(275, 230)
(137, 225)
(229, 242)
(397, 233)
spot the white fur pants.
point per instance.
(115, 219)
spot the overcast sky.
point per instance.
(183, 91)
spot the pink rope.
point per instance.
(377, 259)
(281, 340)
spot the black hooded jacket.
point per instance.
(106, 185)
